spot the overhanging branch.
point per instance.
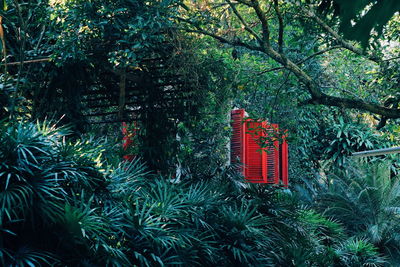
(244, 23)
(224, 40)
(281, 26)
(389, 113)
(338, 38)
(303, 60)
(314, 89)
(264, 22)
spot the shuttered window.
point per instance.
(268, 165)
(254, 167)
(237, 139)
(284, 166)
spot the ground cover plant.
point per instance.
(62, 204)
(73, 71)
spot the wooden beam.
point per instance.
(138, 102)
(109, 113)
(114, 121)
(136, 90)
(47, 59)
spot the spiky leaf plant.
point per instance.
(366, 200)
(30, 192)
(165, 222)
(298, 235)
(41, 176)
(61, 204)
(358, 252)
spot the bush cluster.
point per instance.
(62, 205)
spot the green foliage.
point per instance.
(202, 139)
(27, 154)
(3, 5)
(40, 174)
(128, 28)
(326, 231)
(359, 20)
(85, 213)
(366, 201)
(68, 200)
(342, 138)
(359, 252)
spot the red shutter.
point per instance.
(127, 140)
(255, 158)
(267, 165)
(273, 157)
(284, 166)
(237, 139)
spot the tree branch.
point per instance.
(47, 59)
(296, 70)
(226, 41)
(338, 38)
(245, 2)
(392, 58)
(323, 51)
(246, 26)
(3, 43)
(305, 59)
(317, 95)
(270, 70)
(389, 113)
(281, 26)
(235, 42)
(264, 22)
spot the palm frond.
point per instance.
(367, 201)
(26, 256)
(359, 252)
(128, 177)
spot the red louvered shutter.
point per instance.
(273, 156)
(255, 158)
(237, 139)
(127, 140)
(284, 166)
(260, 165)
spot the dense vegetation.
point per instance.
(327, 71)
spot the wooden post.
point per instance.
(3, 44)
(122, 94)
